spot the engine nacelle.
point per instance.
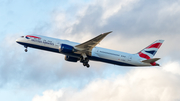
(66, 48)
(71, 59)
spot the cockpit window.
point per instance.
(22, 36)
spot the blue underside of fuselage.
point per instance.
(75, 55)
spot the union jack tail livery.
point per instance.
(149, 52)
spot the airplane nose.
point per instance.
(16, 40)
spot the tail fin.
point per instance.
(151, 50)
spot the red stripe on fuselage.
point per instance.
(156, 45)
(33, 36)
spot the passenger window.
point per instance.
(22, 36)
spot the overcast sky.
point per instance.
(44, 76)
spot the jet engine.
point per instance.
(71, 59)
(66, 48)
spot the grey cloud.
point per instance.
(142, 18)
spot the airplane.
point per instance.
(89, 51)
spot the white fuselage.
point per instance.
(97, 54)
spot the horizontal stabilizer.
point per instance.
(151, 60)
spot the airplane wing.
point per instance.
(87, 46)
